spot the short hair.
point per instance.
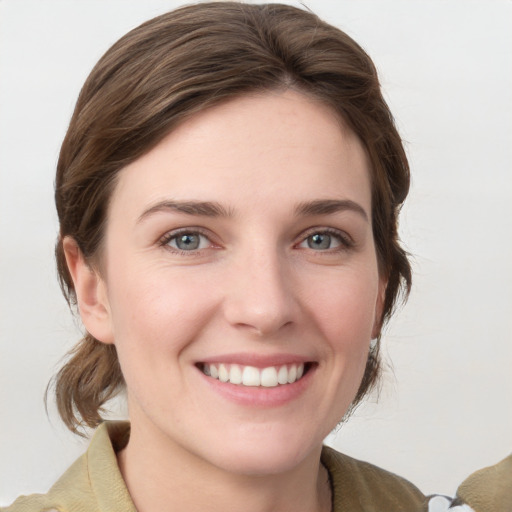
(181, 63)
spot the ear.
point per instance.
(91, 293)
(379, 308)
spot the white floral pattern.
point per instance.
(444, 504)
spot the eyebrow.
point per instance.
(200, 208)
(214, 209)
(330, 206)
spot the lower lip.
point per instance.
(260, 396)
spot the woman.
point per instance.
(228, 193)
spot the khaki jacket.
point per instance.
(94, 484)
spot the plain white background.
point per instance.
(446, 67)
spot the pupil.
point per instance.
(318, 241)
(188, 242)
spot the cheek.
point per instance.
(344, 314)
(345, 310)
(157, 311)
(156, 315)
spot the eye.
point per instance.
(320, 241)
(325, 240)
(186, 241)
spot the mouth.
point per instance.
(251, 376)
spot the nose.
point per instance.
(261, 296)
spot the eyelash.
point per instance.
(172, 235)
(344, 240)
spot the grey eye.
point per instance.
(319, 241)
(186, 241)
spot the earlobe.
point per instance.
(90, 290)
(379, 309)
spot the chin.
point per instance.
(266, 454)
(259, 464)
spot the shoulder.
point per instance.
(32, 503)
(486, 490)
(91, 484)
(489, 489)
(72, 483)
(359, 485)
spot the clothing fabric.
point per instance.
(94, 484)
(358, 486)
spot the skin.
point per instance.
(256, 289)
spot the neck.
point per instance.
(165, 477)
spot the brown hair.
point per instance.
(178, 64)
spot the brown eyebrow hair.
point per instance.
(329, 206)
(214, 209)
(201, 208)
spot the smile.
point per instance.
(268, 377)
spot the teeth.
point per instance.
(292, 374)
(282, 375)
(251, 376)
(223, 373)
(235, 374)
(269, 377)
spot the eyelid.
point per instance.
(164, 240)
(346, 241)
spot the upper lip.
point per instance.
(257, 360)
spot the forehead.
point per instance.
(272, 146)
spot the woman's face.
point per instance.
(238, 255)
